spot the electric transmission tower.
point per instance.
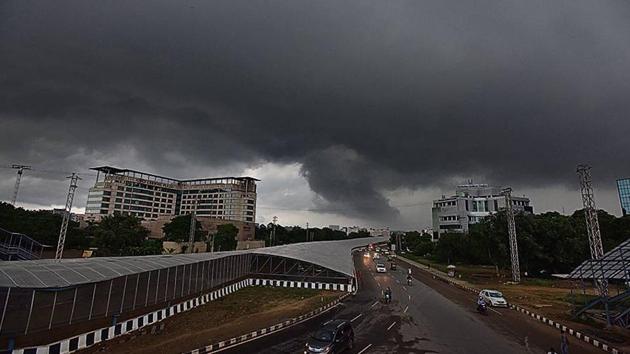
(20, 170)
(592, 223)
(193, 225)
(509, 213)
(66, 215)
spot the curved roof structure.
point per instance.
(49, 273)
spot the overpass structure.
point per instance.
(59, 306)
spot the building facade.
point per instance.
(153, 197)
(470, 204)
(623, 187)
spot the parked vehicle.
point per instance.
(493, 298)
(333, 337)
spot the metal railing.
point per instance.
(15, 246)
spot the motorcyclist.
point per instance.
(408, 279)
(481, 304)
(388, 294)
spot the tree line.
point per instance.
(293, 234)
(548, 243)
(115, 235)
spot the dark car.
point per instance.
(333, 337)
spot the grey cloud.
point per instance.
(369, 96)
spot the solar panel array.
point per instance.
(615, 264)
(47, 273)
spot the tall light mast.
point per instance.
(509, 213)
(66, 215)
(20, 170)
(592, 222)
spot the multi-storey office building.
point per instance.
(150, 196)
(623, 187)
(470, 204)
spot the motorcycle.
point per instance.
(482, 308)
(409, 281)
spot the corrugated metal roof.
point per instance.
(615, 264)
(49, 273)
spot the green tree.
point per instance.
(225, 238)
(41, 225)
(178, 229)
(119, 235)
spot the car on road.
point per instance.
(380, 268)
(493, 298)
(333, 337)
(366, 255)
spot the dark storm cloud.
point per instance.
(368, 95)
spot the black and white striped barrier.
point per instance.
(232, 342)
(304, 285)
(595, 342)
(89, 339)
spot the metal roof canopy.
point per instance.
(49, 273)
(615, 265)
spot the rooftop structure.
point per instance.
(65, 296)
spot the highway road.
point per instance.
(427, 317)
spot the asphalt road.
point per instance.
(427, 317)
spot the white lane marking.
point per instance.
(366, 348)
(391, 325)
(374, 304)
(493, 310)
(405, 289)
(409, 297)
(357, 316)
(406, 308)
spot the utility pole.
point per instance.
(20, 169)
(273, 231)
(308, 237)
(509, 213)
(66, 215)
(592, 223)
(193, 224)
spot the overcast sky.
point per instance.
(350, 112)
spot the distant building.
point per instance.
(470, 204)
(155, 198)
(376, 232)
(623, 187)
(334, 227)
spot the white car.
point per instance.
(493, 298)
(380, 268)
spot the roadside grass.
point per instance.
(241, 312)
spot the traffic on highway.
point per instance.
(422, 315)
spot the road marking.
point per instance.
(391, 325)
(493, 310)
(357, 316)
(405, 289)
(364, 349)
(406, 308)
(374, 304)
(409, 297)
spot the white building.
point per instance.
(470, 204)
